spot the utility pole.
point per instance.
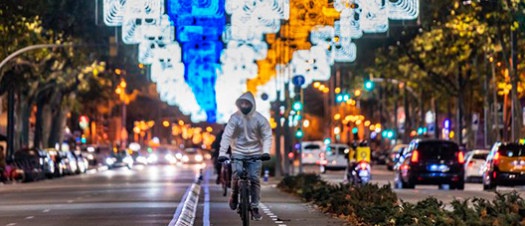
(277, 117)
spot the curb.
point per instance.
(189, 209)
(96, 170)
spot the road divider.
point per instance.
(187, 208)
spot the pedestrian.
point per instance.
(216, 145)
(2, 163)
(250, 135)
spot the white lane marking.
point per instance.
(69, 201)
(30, 217)
(281, 225)
(11, 224)
(278, 222)
(46, 210)
(206, 215)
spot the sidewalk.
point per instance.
(283, 208)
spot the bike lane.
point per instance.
(277, 208)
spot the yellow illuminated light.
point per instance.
(118, 71)
(209, 129)
(317, 84)
(166, 123)
(367, 123)
(306, 123)
(357, 93)
(337, 116)
(337, 90)
(181, 123)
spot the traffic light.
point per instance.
(339, 98)
(369, 85)
(297, 106)
(299, 133)
(355, 130)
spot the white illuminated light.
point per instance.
(113, 12)
(139, 16)
(158, 40)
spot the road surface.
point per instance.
(148, 195)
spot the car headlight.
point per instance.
(198, 158)
(152, 158)
(178, 156)
(128, 160)
(90, 157)
(110, 161)
(185, 158)
(142, 159)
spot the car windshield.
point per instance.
(437, 150)
(341, 150)
(512, 150)
(312, 147)
(480, 156)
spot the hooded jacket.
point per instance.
(248, 135)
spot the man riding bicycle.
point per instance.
(250, 135)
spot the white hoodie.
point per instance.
(249, 134)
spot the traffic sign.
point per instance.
(298, 80)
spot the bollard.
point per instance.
(266, 175)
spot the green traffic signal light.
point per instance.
(369, 85)
(297, 106)
(299, 133)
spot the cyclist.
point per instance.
(250, 135)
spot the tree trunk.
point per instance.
(460, 105)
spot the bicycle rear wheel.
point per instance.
(245, 204)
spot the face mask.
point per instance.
(246, 110)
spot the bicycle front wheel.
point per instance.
(245, 204)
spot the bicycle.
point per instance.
(225, 177)
(244, 206)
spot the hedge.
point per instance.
(371, 204)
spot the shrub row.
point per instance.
(371, 204)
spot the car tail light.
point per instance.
(496, 158)
(415, 156)
(405, 167)
(461, 157)
(471, 164)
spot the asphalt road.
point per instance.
(382, 176)
(148, 195)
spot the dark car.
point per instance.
(505, 166)
(436, 162)
(36, 164)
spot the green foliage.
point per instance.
(373, 205)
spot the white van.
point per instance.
(312, 152)
(335, 157)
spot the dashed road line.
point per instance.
(271, 215)
(30, 217)
(11, 224)
(46, 210)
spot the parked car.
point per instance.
(312, 152)
(436, 162)
(474, 164)
(71, 163)
(505, 166)
(34, 164)
(192, 156)
(393, 156)
(59, 160)
(335, 157)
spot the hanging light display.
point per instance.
(199, 62)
